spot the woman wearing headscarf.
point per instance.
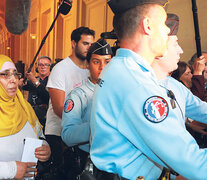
(17, 121)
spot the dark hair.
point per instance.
(182, 66)
(45, 57)
(57, 60)
(76, 34)
(125, 24)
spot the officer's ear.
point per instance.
(146, 25)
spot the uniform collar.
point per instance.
(137, 58)
(90, 85)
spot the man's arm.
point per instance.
(198, 84)
(57, 99)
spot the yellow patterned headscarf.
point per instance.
(14, 111)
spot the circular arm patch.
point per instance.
(156, 109)
(69, 104)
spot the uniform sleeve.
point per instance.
(195, 107)
(8, 170)
(56, 79)
(75, 131)
(166, 142)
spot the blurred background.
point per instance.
(92, 13)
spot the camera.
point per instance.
(111, 35)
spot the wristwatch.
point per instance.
(36, 83)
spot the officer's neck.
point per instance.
(138, 44)
(159, 71)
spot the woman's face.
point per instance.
(186, 78)
(9, 79)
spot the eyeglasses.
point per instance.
(8, 75)
(46, 64)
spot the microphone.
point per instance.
(17, 15)
(65, 6)
(171, 95)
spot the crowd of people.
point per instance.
(134, 115)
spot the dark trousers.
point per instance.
(74, 161)
(56, 146)
(92, 173)
(83, 158)
(41, 112)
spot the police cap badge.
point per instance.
(100, 47)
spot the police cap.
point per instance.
(100, 47)
(120, 6)
(173, 23)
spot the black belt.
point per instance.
(109, 176)
(92, 173)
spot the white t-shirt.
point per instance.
(65, 76)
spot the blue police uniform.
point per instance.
(187, 104)
(76, 116)
(134, 130)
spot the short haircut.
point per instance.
(45, 57)
(182, 66)
(126, 24)
(76, 34)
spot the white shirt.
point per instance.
(11, 149)
(65, 76)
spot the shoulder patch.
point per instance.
(156, 109)
(69, 104)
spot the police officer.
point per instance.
(134, 129)
(184, 102)
(38, 96)
(77, 108)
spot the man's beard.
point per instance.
(79, 55)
